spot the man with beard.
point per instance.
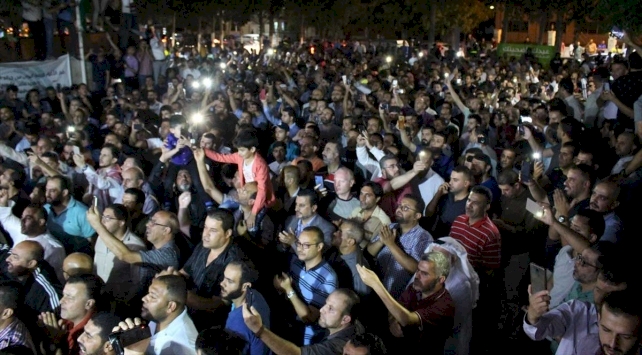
(164, 306)
(620, 321)
(80, 299)
(424, 314)
(369, 213)
(191, 216)
(41, 289)
(330, 132)
(105, 183)
(305, 216)
(95, 338)
(507, 160)
(309, 147)
(336, 316)
(390, 170)
(481, 167)
(399, 246)
(237, 289)
(133, 200)
(67, 217)
(134, 178)
(450, 201)
(13, 331)
(605, 199)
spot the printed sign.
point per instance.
(29, 75)
(544, 54)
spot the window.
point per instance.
(518, 26)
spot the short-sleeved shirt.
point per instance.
(448, 210)
(481, 240)
(394, 276)
(70, 227)
(437, 314)
(314, 286)
(207, 278)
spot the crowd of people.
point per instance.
(339, 198)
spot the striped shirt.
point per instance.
(393, 276)
(313, 286)
(481, 240)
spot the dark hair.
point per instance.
(12, 88)
(41, 212)
(462, 169)
(576, 148)
(176, 120)
(10, 295)
(176, 287)
(370, 341)
(586, 171)
(219, 341)
(106, 322)
(51, 155)
(421, 206)
(508, 177)
(310, 194)
(246, 139)
(18, 178)
(224, 216)
(376, 188)
(289, 110)
(279, 144)
(567, 85)
(120, 212)
(316, 231)
(115, 153)
(140, 195)
(571, 127)
(248, 271)
(484, 191)
(624, 303)
(612, 270)
(351, 302)
(93, 284)
(595, 220)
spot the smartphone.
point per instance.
(249, 297)
(526, 173)
(120, 340)
(481, 139)
(76, 150)
(395, 83)
(318, 180)
(95, 203)
(28, 150)
(607, 86)
(520, 129)
(534, 208)
(262, 95)
(539, 278)
(616, 32)
(383, 106)
(344, 79)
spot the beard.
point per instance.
(233, 294)
(184, 187)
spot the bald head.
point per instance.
(30, 249)
(77, 264)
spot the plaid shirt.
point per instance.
(14, 334)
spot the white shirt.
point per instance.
(157, 49)
(248, 175)
(178, 338)
(429, 187)
(193, 72)
(562, 276)
(121, 278)
(54, 251)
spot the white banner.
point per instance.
(29, 75)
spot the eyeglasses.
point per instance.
(583, 262)
(406, 208)
(470, 158)
(153, 223)
(109, 218)
(304, 246)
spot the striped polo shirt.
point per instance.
(481, 240)
(313, 286)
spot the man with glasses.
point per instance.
(161, 229)
(121, 278)
(306, 216)
(395, 192)
(310, 281)
(585, 273)
(398, 259)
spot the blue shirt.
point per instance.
(313, 286)
(235, 323)
(184, 156)
(70, 226)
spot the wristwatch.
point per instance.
(290, 294)
(561, 219)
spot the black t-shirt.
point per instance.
(448, 209)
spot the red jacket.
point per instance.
(264, 196)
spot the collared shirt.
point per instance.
(394, 276)
(178, 338)
(573, 321)
(436, 319)
(235, 323)
(313, 286)
(481, 240)
(157, 260)
(562, 276)
(334, 343)
(157, 48)
(105, 183)
(613, 228)
(15, 334)
(577, 294)
(208, 277)
(74, 332)
(121, 278)
(70, 224)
